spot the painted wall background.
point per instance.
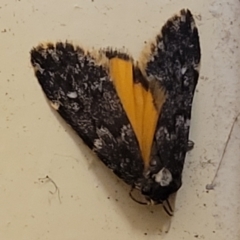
(91, 202)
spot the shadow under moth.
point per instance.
(134, 115)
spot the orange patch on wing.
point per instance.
(138, 104)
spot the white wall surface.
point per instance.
(92, 203)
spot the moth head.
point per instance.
(157, 187)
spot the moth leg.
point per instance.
(190, 145)
(168, 209)
(134, 199)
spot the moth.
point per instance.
(134, 115)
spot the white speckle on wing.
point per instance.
(187, 123)
(72, 94)
(183, 70)
(160, 45)
(75, 107)
(179, 120)
(183, 18)
(98, 143)
(39, 68)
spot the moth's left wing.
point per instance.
(80, 88)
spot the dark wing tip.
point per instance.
(181, 31)
(62, 48)
(176, 52)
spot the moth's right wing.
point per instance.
(79, 87)
(173, 63)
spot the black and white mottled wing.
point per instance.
(174, 63)
(80, 89)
